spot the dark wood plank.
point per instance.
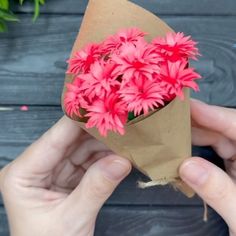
(172, 7)
(19, 129)
(152, 221)
(4, 230)
(32, 58)
(23, 127)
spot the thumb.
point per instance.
(213, 185)
(97, 185)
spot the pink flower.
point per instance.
(126, 36)
(175, 76)
(142, 95)
(136, 62)
(83, 59)
(100, 80)
(176, 46)
(107, 113)
(74, 99)
(126, 74)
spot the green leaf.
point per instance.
(3, 26)
(131, 116)
(7, 15)
(42, 2)
(4, 4)
(36, 10)
(21, 2)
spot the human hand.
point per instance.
(58, 185)
(214, 126)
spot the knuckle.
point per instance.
(218, 193)
(7, 178)
(3, 179)
(232, 232)
(218, 189)
(99, 187)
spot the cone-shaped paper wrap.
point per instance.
(155, 144)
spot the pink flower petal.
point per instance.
(24, 108)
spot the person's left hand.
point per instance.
(58, 185)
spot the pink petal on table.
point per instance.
(24, 108)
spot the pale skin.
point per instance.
(58, 185)
(214, 126)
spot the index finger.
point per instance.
(218, 119)
(44, 154)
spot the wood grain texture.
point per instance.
(32, 58)
(153, 221)
(150, 221)
(172, 7)
(4, 230)
(19, 129)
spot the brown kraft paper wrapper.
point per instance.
(155, 144)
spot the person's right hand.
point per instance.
(214, 126)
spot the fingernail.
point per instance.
(194, 173)
(117, 169)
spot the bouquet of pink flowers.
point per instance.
(125, 76)
(127, 84)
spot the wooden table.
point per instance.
(32, 66)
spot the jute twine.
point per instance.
(165, 181)
(160, 182)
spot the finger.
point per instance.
(50, 149)
(95, 157)
(204, 137)
(86, 149)
(68, 175)
(218, 119)
(230, 166)
(96, 186)
(224, 147)
(213, 185)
